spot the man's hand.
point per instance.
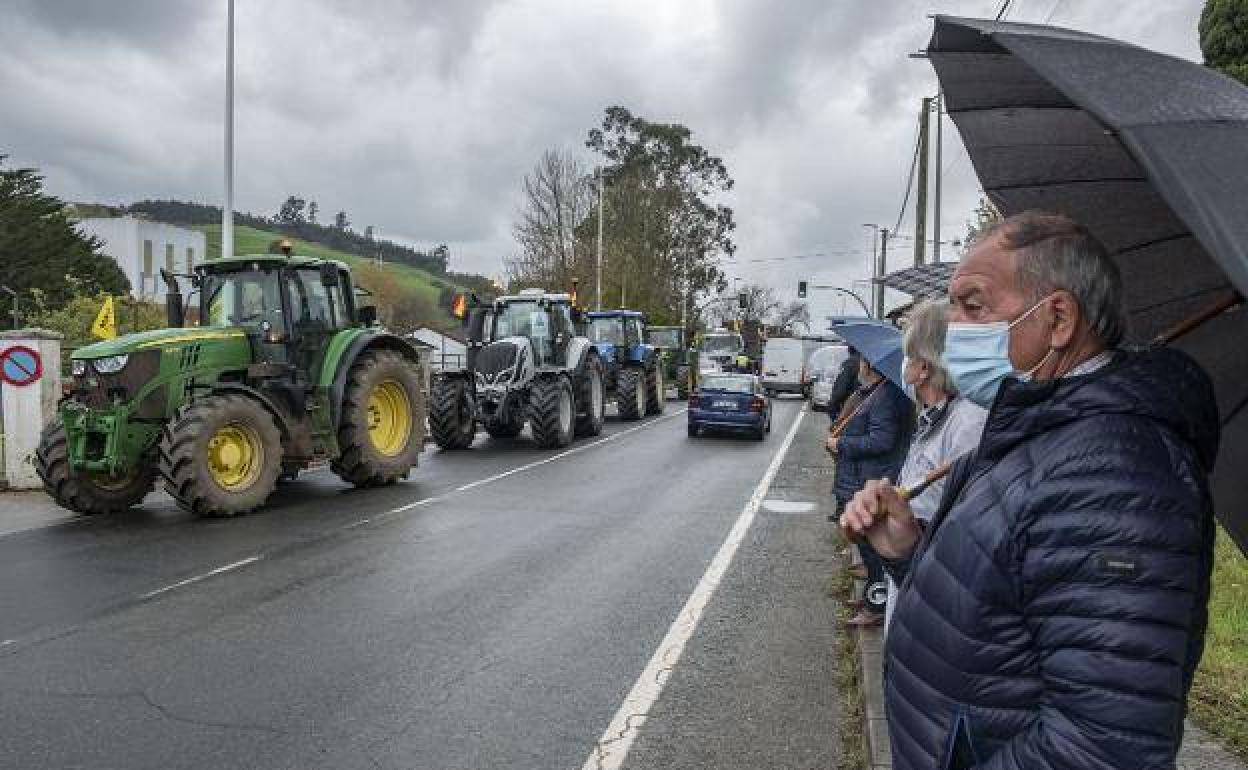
(879, 513)
(830, 445)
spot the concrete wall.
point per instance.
(129, 241)
(25, 410)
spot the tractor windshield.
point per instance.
(610, 330)
(665, 338)
(522, 319)
(722, 344)
(242, 298)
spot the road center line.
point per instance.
(612, 748)
(567, 452)
(204, 576)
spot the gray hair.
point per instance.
(1055, 252)
(924, 341)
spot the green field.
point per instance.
(249, 240)
(1219, 697)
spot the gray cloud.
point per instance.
(421, 118)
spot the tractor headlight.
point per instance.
(78, 368)
(110, 364)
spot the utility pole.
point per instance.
(881, 266)
(940, 105)
(598, 269)
(227, 211)
(920, 214)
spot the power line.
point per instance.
(909, 178)
(1005, 8)
(1052, 11)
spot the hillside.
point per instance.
(251, 240)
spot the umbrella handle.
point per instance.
(1190, 324)
(909, 493)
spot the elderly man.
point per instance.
(1054, 609)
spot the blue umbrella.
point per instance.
(879, 343)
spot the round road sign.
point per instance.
(20, 365)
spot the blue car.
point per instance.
(733, 402)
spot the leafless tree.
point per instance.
(558, 196)
(792, 318)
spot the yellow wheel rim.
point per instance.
(389, 418)
(235, 456)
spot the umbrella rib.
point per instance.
(1052, 183)
(1172, 300)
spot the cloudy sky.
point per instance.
(422, 117)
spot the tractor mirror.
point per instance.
(367, 315)
(475, 321)
(329, 275)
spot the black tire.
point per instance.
(368, 454)
(552, 415)
(185, 455)
(630, 393)
(682, 383)
(503, 429)
(593, 397)
(656, 389)
(451, 418)
(693, 430)
(87, 493)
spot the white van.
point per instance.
(784, 365)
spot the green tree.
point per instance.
(986, 215)
(1224, 37)
(74, 318)
(664, 227)
(41, 250)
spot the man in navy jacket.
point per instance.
(1053, 612)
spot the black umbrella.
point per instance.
(1149, 152)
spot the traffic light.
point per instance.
(801, 289)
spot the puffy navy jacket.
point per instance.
(874, 443)
(1056, 609)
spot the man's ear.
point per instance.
(1067, 317)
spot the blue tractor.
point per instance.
(632, 370)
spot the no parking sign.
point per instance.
(20, 365)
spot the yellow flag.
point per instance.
(105, 326)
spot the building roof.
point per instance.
(930, 280)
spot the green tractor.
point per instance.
(283, 370)
(674, 355)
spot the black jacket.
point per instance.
(1056, 610)
(845, 383)
(874, 443)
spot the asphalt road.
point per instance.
(493, 611)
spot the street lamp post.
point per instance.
(598, 268)
(227, 211)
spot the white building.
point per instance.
(445, 352)
(142, 248)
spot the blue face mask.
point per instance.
(978, 357)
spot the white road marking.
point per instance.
(204, 576)
(7, 642)
(788, 506)
(612, 748)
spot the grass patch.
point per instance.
(251, 240)
(1219, 698)
(853, 740)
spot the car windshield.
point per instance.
(521, 319)
(609, 330)
(241, 298)
(722, 343)
(664, 338)
(728, 382)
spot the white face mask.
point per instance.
(977, 356)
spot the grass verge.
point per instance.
(853, 739)
(1219, 698)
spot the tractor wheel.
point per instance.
(552, 412)
(593, 398)
(88, 493)
(656, 390)
(504, 429)
(221, 455)
(630, 393)
(379, 434)
(682, 383)
(451, 419)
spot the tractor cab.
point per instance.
(544, 320)
(616, 333)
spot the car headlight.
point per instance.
(110, 364)
(78, 368)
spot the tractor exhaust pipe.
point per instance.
(174, 310)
